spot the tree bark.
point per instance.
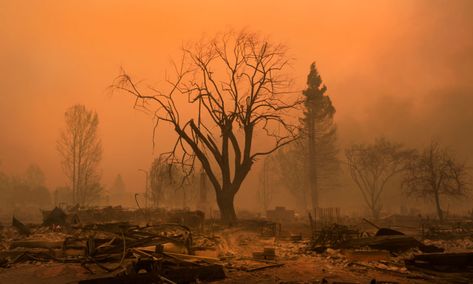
(225, 204)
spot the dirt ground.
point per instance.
(303, 270)
(235, 249)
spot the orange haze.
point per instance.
(400, 68)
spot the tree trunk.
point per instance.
(375, 208)
(437, 204)
(312, 159)
(225, 205)
(375, 212)
(74, 177)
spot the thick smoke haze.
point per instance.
(402, 69)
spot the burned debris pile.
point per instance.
(184, 247)
(448, 251)
(160, 250)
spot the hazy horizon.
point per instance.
(401, 69)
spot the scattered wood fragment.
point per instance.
(188, 256)
(264, 267)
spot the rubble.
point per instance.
(22, 228)
(452, 262)
(108, 246)
(163, 270)
(56, 217)
(447, 230)
(159, 252)
(333, 236)
(391, 243)
(267, 254)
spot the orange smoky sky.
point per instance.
(397, 68)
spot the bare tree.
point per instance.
(164, 176)
(435, 172)
(34, 176)
(156, 183)
(81, 151)
(117, 190)
(234, 86)
(291, 171)
(372, 166)
(27, 189)
(118, 185)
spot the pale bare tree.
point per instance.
(266, 189)
(156, 180)
(435, 172)
(234, 86)
(81, 151)
(165, 178)
(373, 165)
(291, 171)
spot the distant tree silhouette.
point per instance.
(25, 190)
(320, 130)
(34, 179)
(118, 189)
(373, 165)
(266, 189)
(311, 163)
(81, 151)
(34, 176)
(118, 185)
(291, 171)
(433, 173)
(162, 176)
